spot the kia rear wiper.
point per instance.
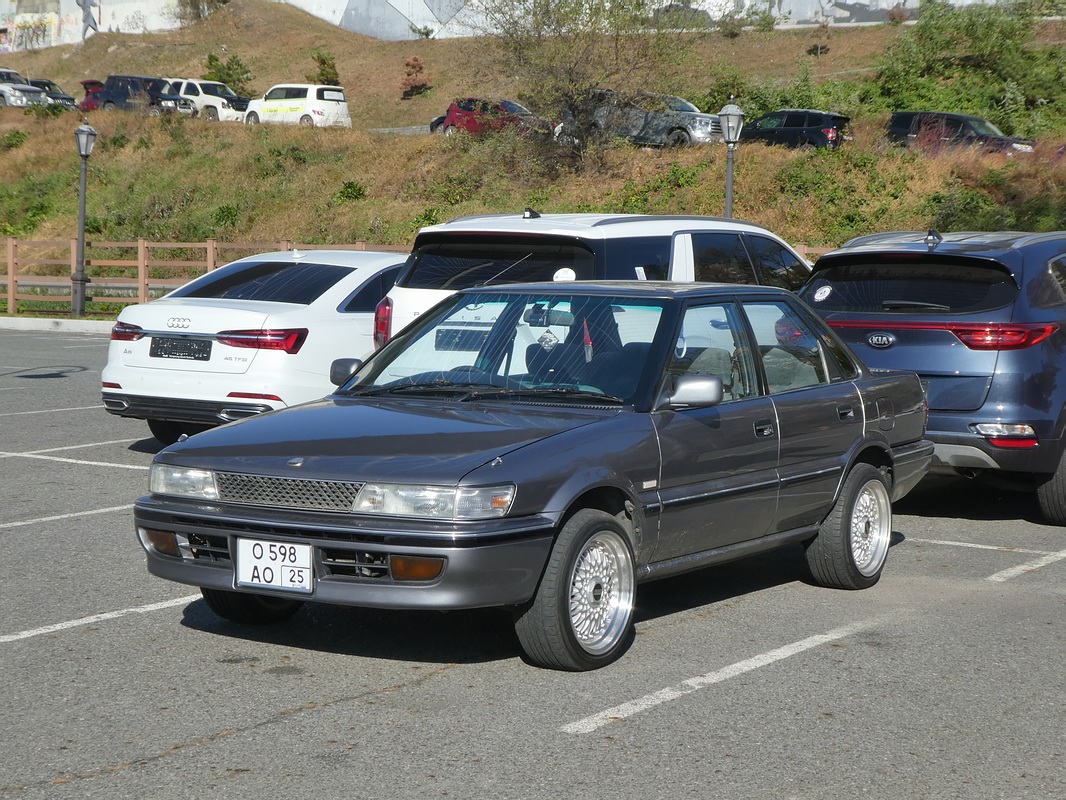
(919, 305)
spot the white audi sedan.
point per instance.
(255, 335)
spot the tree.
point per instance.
(234, 73)
(561, 51)
(186, 12)
(327, 69)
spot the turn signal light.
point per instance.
(161, 541)
(415, 568)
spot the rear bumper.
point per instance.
(910, 463)
(957, 452)
(205, 412)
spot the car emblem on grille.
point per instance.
(296, 462)
(179, 322)
(880, 340)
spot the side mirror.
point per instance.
(693, 391)
(342, 369)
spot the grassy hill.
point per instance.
(185, 180)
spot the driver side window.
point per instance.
(710, 343)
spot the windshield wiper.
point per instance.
(511, 266)
(431, 387)
(886, 305)
(566, 392)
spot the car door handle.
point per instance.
(764, 428)
(845, 413)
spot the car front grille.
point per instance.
(313, 495)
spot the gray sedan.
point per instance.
(547, 448)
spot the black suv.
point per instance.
(932, 130)
(798, 127)
(141, 93)
(981, 317)
(54, 92)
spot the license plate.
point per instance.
(274, 565)
(192, 349)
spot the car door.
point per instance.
(767, 128)
(273, 105)
(718, 482)
(817, 409)
(793, 130)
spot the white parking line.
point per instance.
(999, 548)
(1030, 566)
(590, 724)
(51, 410)
(74, 461)
(79, 446)
(24, 522)
(76, 623)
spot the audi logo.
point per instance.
(179, 322)
(880, 340)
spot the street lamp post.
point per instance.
(85, 136)
(732, 120)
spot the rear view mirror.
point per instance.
(342, 369)
(541, 317)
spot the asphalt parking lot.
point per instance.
(745, 681)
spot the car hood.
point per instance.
(427, 441)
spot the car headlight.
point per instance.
(701, 123)
(1022, 148)
(225, 104)
(182, 481)
(437, 502)
(167, 103)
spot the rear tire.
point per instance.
(1051, 494)
(582, 615)
(167, 432)
(851, 547)
(252, 118)
(251, 609)
(306, 121)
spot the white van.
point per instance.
(520, 248)
(309, 104)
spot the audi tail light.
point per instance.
(289, 341)
(124, 332)
(975, 335)
(382, 322)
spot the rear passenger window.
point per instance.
(792, 355)
(721, 258)
(366, 297)
(775, 264)
(296, 93)
(268, 280)
(645, 257)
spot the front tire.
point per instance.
(678, 138)
(581, 617)
(1051, 494)
(852, 544)
(250, 609)
(211, 114)
(451, 130)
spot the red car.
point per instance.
(474, 115)
(92, 88)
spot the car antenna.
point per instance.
(529, 213)
(932, 239)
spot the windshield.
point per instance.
(217, 90)
(984, 127)
(12, 77)
(512, 107)
(521, 347)
(678, 104)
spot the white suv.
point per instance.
(519, 248)
(211, 99)
(307, 104)
(17, 91)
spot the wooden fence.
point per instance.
(121, 273)
(148, 270)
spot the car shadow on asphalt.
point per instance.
(948, 497)
(150, 445)
(485, 635)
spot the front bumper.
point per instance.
(486, 564)
(201, 412)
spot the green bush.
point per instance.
(13, 139)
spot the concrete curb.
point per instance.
(57, 325)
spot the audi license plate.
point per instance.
(274, 565)
(194, 349)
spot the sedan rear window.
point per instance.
(272, 281)
(911, 287)
(459, 262)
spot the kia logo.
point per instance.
(880, 340)
(179, 322)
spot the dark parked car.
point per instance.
(475, 115)
(141, 93)
(981, 317)
(588, 438)
(931, 130)
(55, 94)
(655, 120)
(798, 127)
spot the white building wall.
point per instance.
(29, 24)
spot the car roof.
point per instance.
(306, 86)
(591, 226)
(675, 290)
(373, 259)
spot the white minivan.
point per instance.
(309, 104)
